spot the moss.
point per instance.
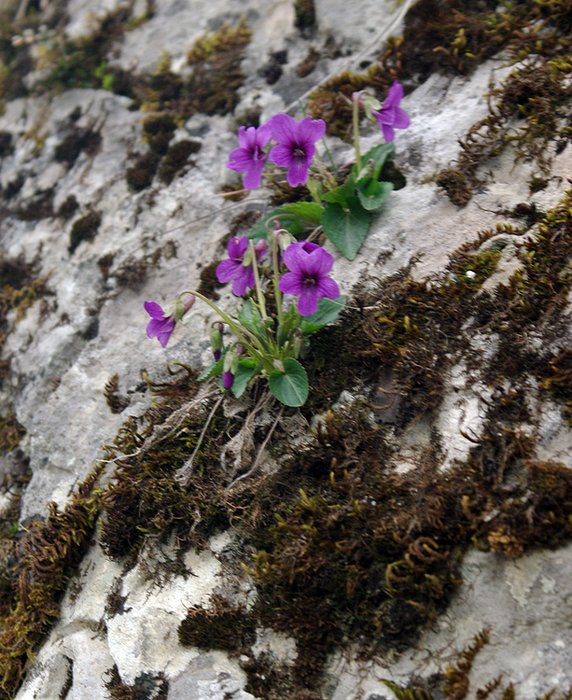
(78, 63)
(158, 130)
(141, 174)
(74, 143)
(146, 687)
(216, 77)
(47, 558)
(144, 497)
(11, 432)
(84, 229)
(557, 380)
(6, 146)
(209, 282)
(114, 400)
(68, 207)
(176, 158)
(305, 17)
(221, 625)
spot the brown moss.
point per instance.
(84, 229)
(216, 77)
(47, 557)
(221, 625)
(305, 17)
(557, 380)
(176, 158)
(140, 175)
(114, 400)
(68, 207)
(158, 130)
(80, 139)
(146, 686)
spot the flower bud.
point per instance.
(227, 379)
(216, 340)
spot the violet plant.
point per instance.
(290, 277)
(343, 209)
(284, 284)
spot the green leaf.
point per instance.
(306, 211)
(343, 194)
(246, 369)
(346, 227)
(328, 311)
(212, 371)
(250, 318)
(291, 386)
(295, 216)
(378, 154)
(372, 193)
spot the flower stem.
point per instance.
(276, 274)
(244, 336)
(356, 99)
(259, 294)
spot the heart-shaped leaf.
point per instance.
(291, 386)
(372, 193)
(346, 227)
(328, 311)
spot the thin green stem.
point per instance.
(259, 294)
(355, 98)
(244, 336)
(276, 275)
(330, 156)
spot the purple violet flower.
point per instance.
(390, 115)
(309, 265)
(249, 158)
(160, 326)
(233, 268)
(295, 149)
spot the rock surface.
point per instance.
(153, 243)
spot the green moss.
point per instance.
(84, 229)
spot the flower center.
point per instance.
(256, 153)
(309, 281)
(299, 153)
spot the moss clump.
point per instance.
(145, 687)
(216, 77)
(11, 432)
(84, 229)
(209, 282)
(140, 175)
(47, 558)
(6, 147)
(176, 158)
(158, 130)
(144, 496)
(82, 63)
(68, 207)
(305, 16)
(221, 625)
(557, 380)
(78, 140)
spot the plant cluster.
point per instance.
(281, 275)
